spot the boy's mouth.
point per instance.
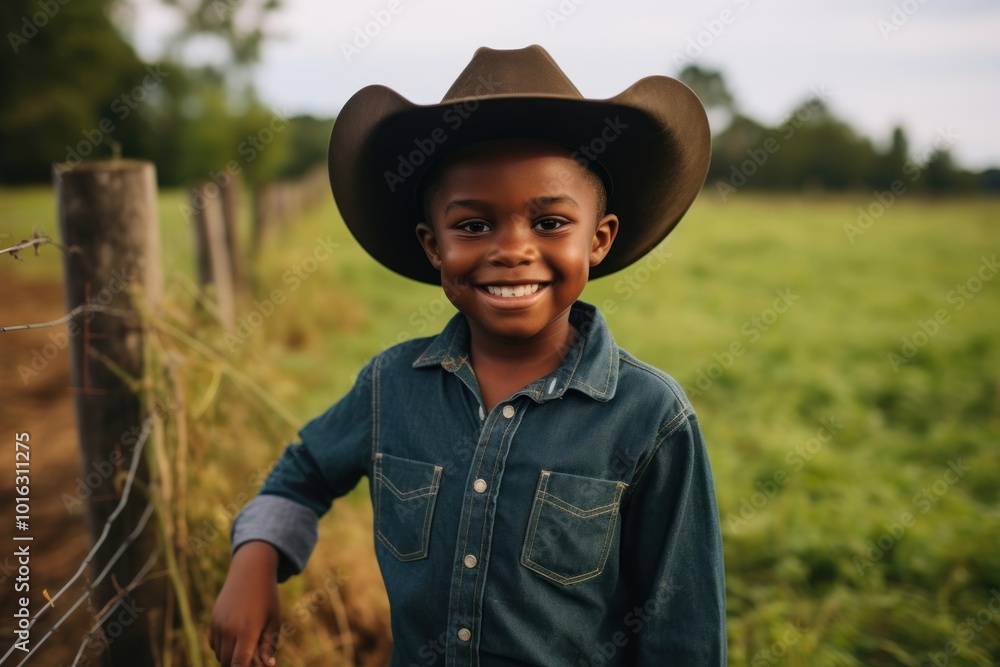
(508, 291)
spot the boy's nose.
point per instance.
(513, 245)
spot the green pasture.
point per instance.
(847, 380)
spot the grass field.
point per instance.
(847, 377)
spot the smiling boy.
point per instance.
(514, 258)
(540, 496)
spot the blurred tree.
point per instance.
(309, 138)
(890, 166)
(940, 174)
(710, 87)
(823, 151)
(63, 68)
(215, 114)
(74, 89)
(729, 149)
(989, 180)
(199, 134)
(238, 24)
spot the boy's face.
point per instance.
(514, 230)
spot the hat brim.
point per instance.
(653, 140)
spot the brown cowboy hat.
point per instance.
(650, 144)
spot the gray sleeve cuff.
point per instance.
(285, 524)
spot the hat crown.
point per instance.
(527, 71)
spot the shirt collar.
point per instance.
(590, 366)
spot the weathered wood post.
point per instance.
(108, 211)
(212, 250)
(263, 215)
(231, 194)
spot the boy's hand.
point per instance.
(247, 613)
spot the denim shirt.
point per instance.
(573, 524)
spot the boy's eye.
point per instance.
(549, 224)
(473, 226)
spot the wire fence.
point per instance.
(145, 538)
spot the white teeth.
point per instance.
(512, 290)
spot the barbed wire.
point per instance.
(113, 605)
(36, 240)
(82, 308)
(126, 490)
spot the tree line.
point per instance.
(75, 89)
(814, 150)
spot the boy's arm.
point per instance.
(672, 535)
(286, 512)
(275, 533)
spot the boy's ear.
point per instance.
(425, 234)
(604, 236)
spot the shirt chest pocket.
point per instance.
(404, 495)
(572, 528)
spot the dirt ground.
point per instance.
(41, 405)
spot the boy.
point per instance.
(540, 496)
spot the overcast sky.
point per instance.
(932, 66)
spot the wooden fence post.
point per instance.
(212, 250)
(231, 194)
(108, 210)
(263, 215)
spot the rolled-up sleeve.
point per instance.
(286, 525)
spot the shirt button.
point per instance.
(470, 561)
(464, 634)
(482, 415)
(479, 485)
(508, 411)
